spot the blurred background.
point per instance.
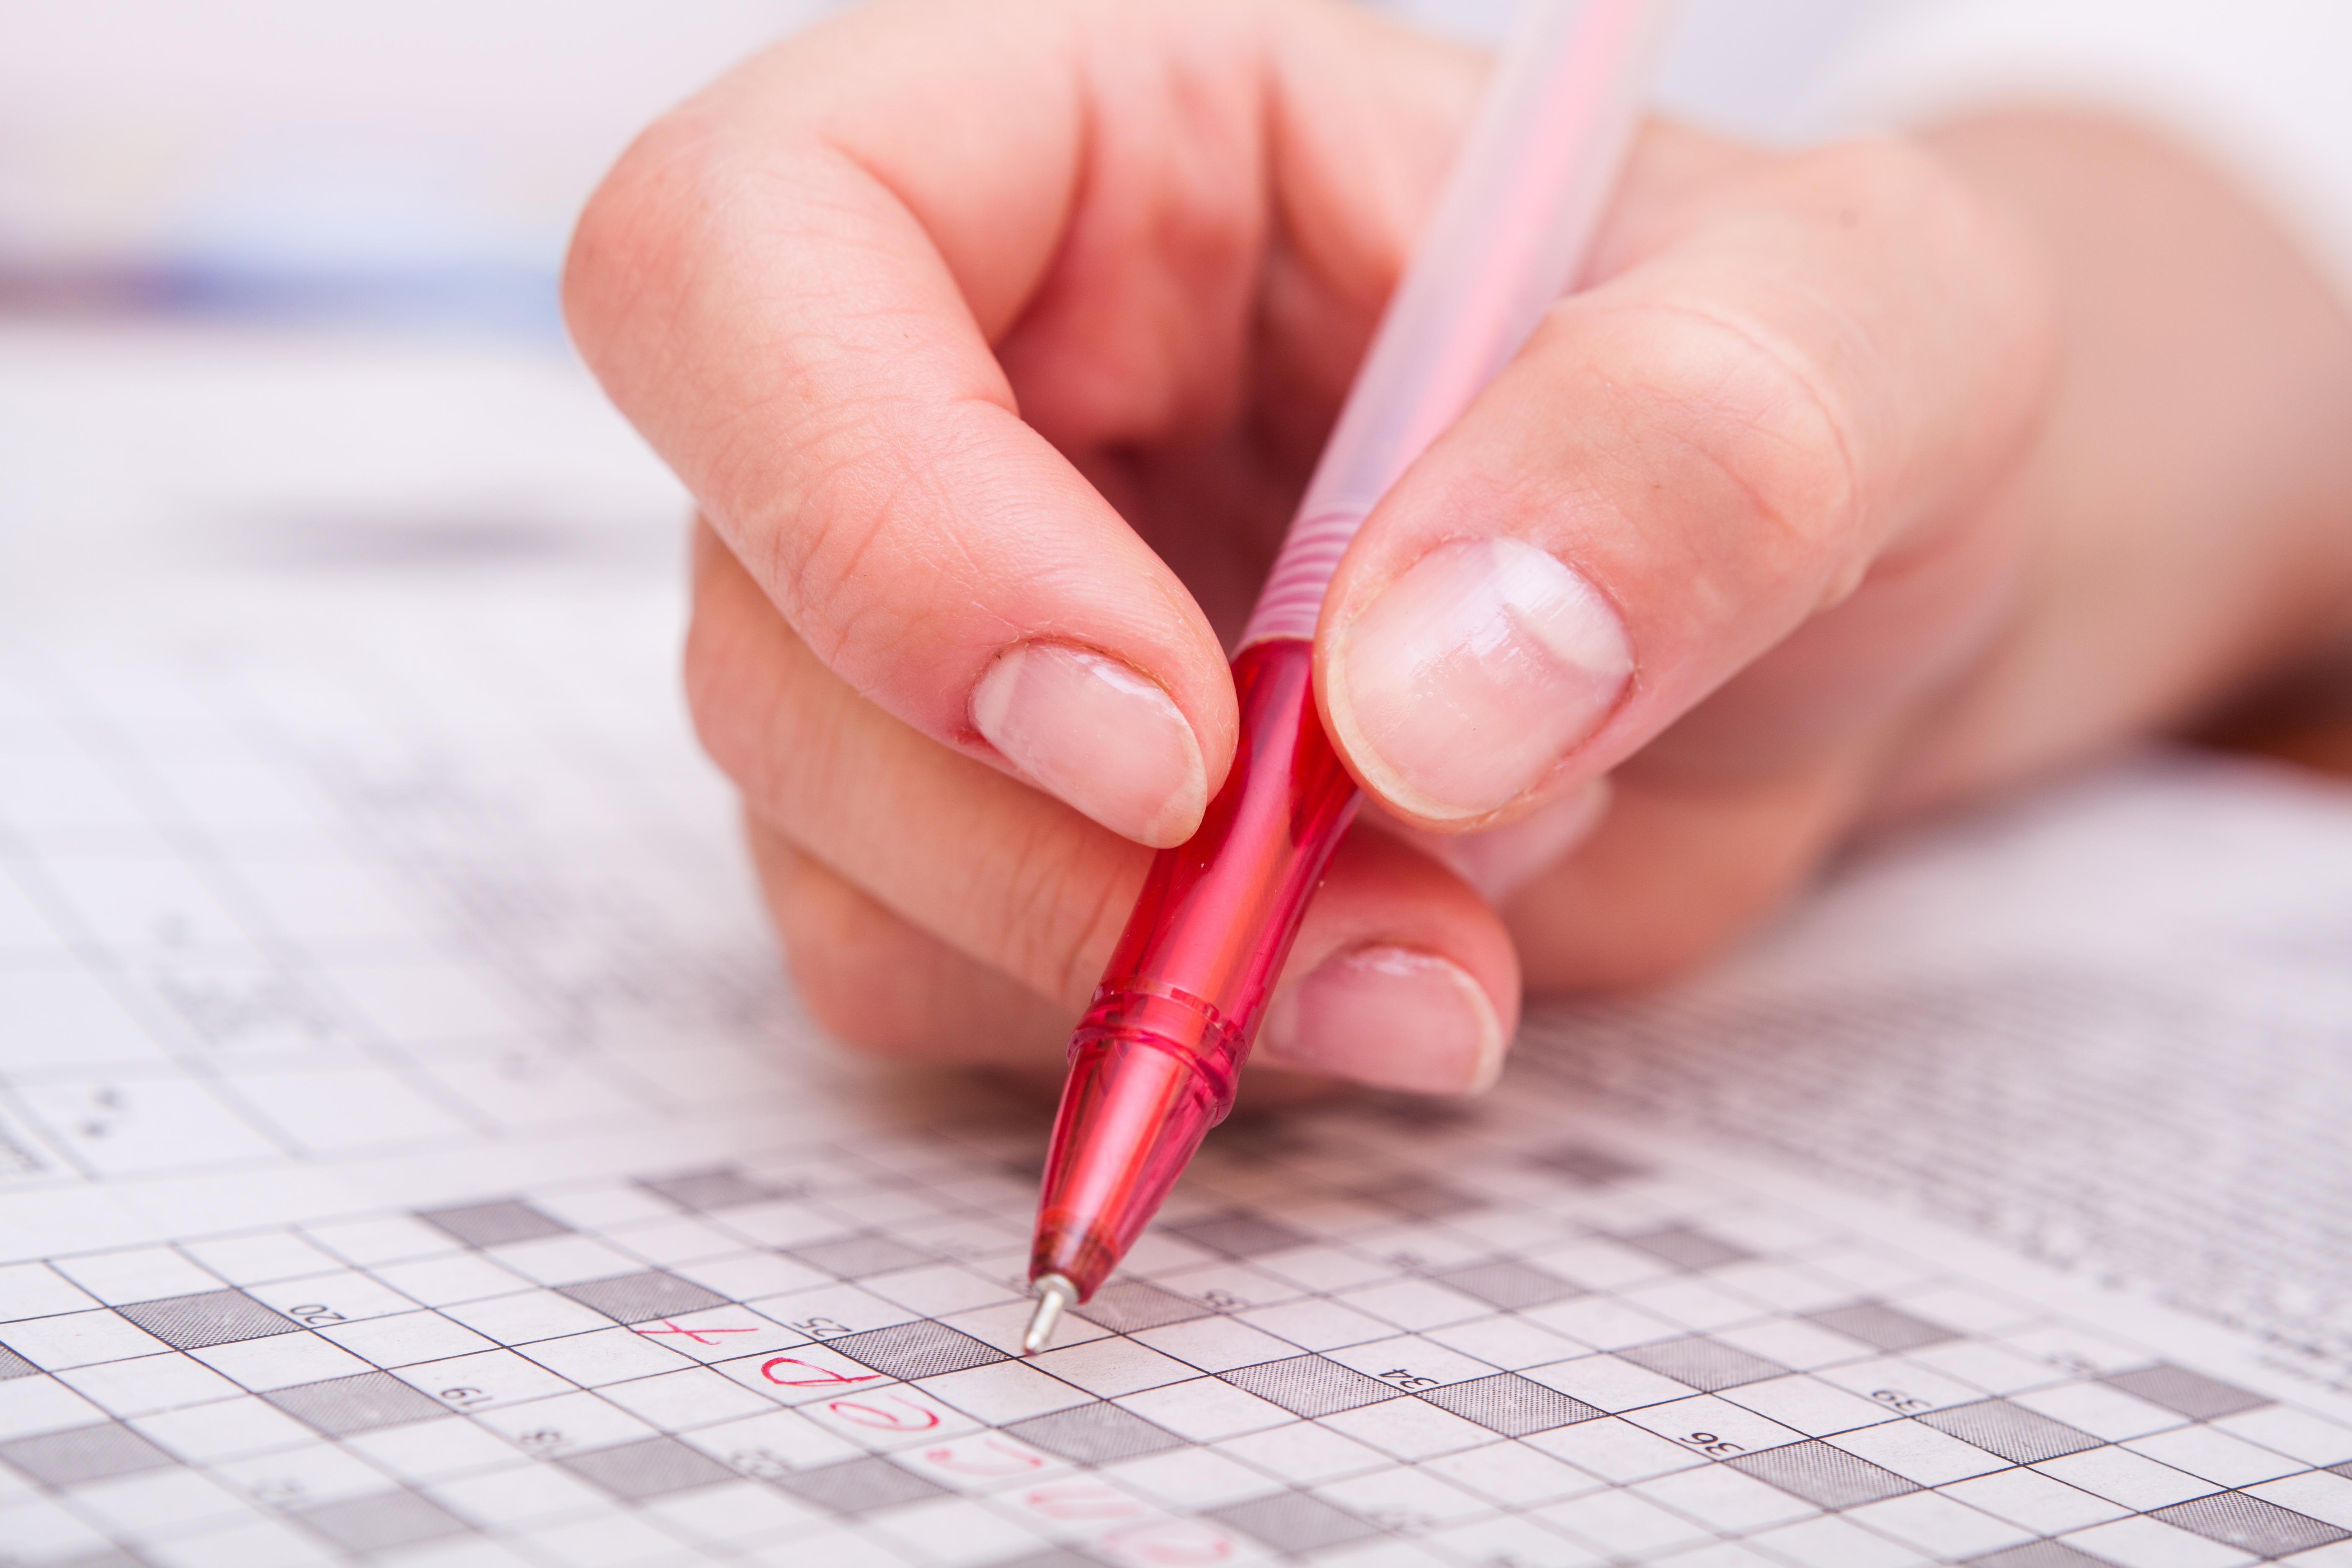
(277, 278)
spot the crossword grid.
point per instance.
(1488, 1359)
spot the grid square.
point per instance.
(2039, 1555)
(920, 1349)
(650, 1466)
(1881, 1327)
(1094, 1435)
(1309, 1386)
(1131, 1305)
(383, 1522)
(856, 1257)
(1703, 1363)
(858, 1486)
(2264, 1529)
(722, 1186)
(207, 1318)
(1825, 1476)
(2022, 1437)
(1511, 1405)
(84, 1454)
(2185, 1392)
(1687, 1246)
(1509, 1283)
(13, 1365)
(1588, 1166)
(1419, 1198)
(1294, 1521)
(494, 1223)
(642, 1298)
(362, 1403)
(1238, 1234)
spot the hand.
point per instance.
(995, 344)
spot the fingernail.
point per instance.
(1389, 1017)
(1469, 677)
(1099, 735)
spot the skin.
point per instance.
(1915, 470)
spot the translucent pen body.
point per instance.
(1154, 1062)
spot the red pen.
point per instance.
(1154, 1061)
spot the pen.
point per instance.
(1154, 1060)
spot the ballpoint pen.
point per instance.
(1154, 1060)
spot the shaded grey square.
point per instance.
(917, 1350)
(854, 1257)
(13, 1365)
(642, 1298)
(1586, 1165)
(494, 1223)
(2186, 1392)
(1880, 1326)
(360, 1403)
(857, 1485)
(722, 1186)
(84, 1454)
(1132, 1304)
(2039, 1554)
(1704, 1363)
(1309, 1386)
(1686, 1247)
(1420, 1198)
(1293, 1521)
(1825, 1476)
(1098, 1434)
(650, 1466)
(1239, 1235)
(2251, 1524)
(207, 1318)
(2344, 1469)
(2022, 1437)
(383, 1522)
(1511, 1405)
(1507, 1282)
(1052, 1557)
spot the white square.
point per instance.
(1215, 1344)
(249, 1260)
(1993, 1368)
(390, 1238)
(662, 1237)
(696, 1396)
(1316, 1325)
(1521, 1542)
(986, 1462)
(1792, 1342)
(1938, 1525)
(1605, 1382)
(36, 1290)
(736, 1510)
(280, 1361)
(717, 1333)
(1411, 1362)
(1004, 1326)
(1599, 1266)
(956, 1533)
(344, 1110)
(607, 1355)
(1691, 1304)
(2292, 1432)
(2144, 1542)
(1304, 1452)
(434, 1450)
(890, 1418)
(148, 1383)
(480, 1381)
(1904, 1387)
(1621, 1524)
(1710, 1426)
(447, 1280)
(1603, 1322)
(1327, 1269)
(1410, 1428)
(1228, 1287)
(1190, 1478)
(565, 1259)
(336, 1296)
(1829, 1541)
(520, 1495)
(1964, 1308)
(2322, 1494)
(940, 1289)
(1205, 1410)
(2217, 1456)
(1513, 1474)
(1807, 1404)
(772, 1445)
(1787, 1287)
(39, 1529)
(1415, 1304)
(405, 1339)
(564, 1423)
(831, 1311)
(254, 1543)
(1004, 1391)
(299, 1476)
(2041, 1504)
(780, 1222)
(156, 1504)
(79, 1339)
(802, 1374)
(1918, 1453)
(2121, 1476)
(1410, 1502)
(204, 1433)
(1724, 1499)
(1507, 1340)
(527, 1317)
(1615, 1450)
(1114, 1365)
(2100, 1411)
(748, 1275)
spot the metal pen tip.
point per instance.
(1056, 1296)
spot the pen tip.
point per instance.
(1055, 1295)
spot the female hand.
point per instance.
(995, 344)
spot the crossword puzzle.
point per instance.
(1487, 1358)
